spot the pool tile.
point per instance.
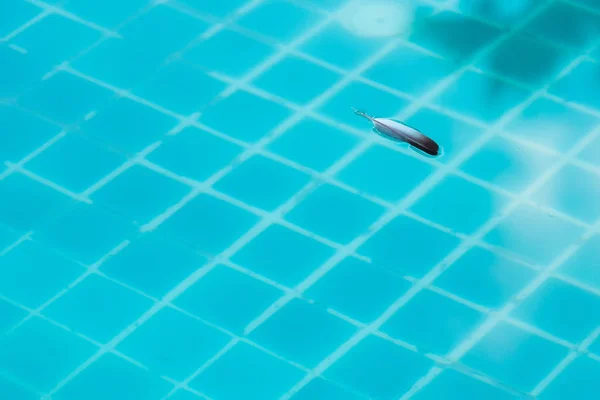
(26, 204)
(533, 234)
(327, 5)
(408, 247)
(297, 80)
(358, 95)
(527, 60)
(470, 205)
(313, 144)
(292, 20)
(29, 353)
(581, 266)
(257, 374)
(31, 274)
(303, 333)
(173, 344)
(86, 233)
(229, 52)
(54, 98)
(153, 264)
(10, 390)
(10, 315)
(7, 236)
(561, 309)
(553, 125)
(182, 394)
(24, 70)
(113, 377)
(214, 7)
(566, 24)
(378, 368)
(454, 36)
(485, 278)
(56, 39)
(250, 123)
(22, 133)
(283, 255)
(505, 13)
(577, 380)
(591, 153)
(373, 289)
(181, 88)
(128, 125)
(140, 194)
(578, 85)
(108, 13)
(478, 96)
(398, 68)
(75, 162)
(195, 154)
(348, 216)
(98, 308)
(14, 13)
(433, 323)
(262, 182)
(335, 46)
(320, 389)
(508, 164)
(450, 382)
(570, 191)
(514, 357)
(228, 298)
(209, 224)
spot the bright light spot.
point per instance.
(376, 18)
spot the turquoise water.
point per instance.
(190, 210)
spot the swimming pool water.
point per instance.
(190, 210)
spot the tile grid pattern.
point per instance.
(342, 254)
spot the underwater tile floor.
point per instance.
(189, 209)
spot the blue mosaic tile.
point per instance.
(433, 323)
(14, 13)
(128, 125)
(208, 224)
(10, 315)
(292, 20)
(570, 190)
(283, 255)
(229, 52)
(111, 377)
(506, 13)
(533, 234)
(482, 97)
(75, 163)
(313, 144)
(370, 173)
(378, 368)
(561, 309)
(373, 289)
(591, 153)
(578, 379)
(173, 344)
(311, 80)
(262, 182)
(184, 395)
(31, 274)
(86, 233)
(23, 69)
(430, 70)
(7, 236)
(108, 13)
(54, 28)
(10, 390)
(250, 124)
(579, 84)
(515, 357)
(98, 308)
(349, 214)
(552, 124)
(257, 375)
(470, 205)
(153, 264)
(54, 98)
(508, 164)
(485, 278)
(29, 353)
(214, 7)
(320, 389)
(421, 247)
(581, 265)
(228, 298)
(140, 194)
